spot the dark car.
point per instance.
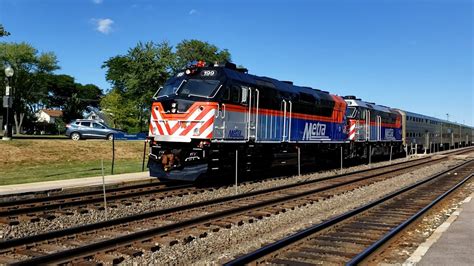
(90, 129)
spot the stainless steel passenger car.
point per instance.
(429, 134)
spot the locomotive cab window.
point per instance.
(226, 93)
(198, 87)
(351, 112)
(235, 94)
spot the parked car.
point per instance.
(90, 129)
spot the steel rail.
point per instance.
(268, 249)
(84, 250)
(371, 249)
(9, 203)
(123, 220)
(99, 198)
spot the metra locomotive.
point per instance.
(206, 116)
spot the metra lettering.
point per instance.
(235, 133)
(314, 131)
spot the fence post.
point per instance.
(144, 152)
(113, 154)
(391, 147)
(341, 158)
(103, 189)
(299, 161)
(370, 156)
(236, 169)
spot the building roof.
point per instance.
(53, 113)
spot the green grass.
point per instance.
(68, 170)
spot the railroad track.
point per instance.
(113, 240)
(52, 206)
(32, 209)
(354, 236)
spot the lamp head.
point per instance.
(9, 71)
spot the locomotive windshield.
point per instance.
(188, 88)
(351, 112)
(198, 87)
(170, 87)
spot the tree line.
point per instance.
(134, 77)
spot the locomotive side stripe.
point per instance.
(332, 119)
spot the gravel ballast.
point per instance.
(224, 245)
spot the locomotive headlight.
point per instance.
(173, 105)
(173, 110)
(188, 71)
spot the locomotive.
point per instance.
(208, 121)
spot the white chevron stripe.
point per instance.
(204, 119)
(190, 118)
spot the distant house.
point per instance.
(95, 114)
(48, 116)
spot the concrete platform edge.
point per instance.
(418, 254)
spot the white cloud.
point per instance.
(103, 25)
(192, 12)
(97, 1)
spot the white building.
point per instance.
(48, 116)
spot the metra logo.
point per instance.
(235, 133)
(314, 131)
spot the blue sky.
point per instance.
(414, 55)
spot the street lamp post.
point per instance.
(7, 102)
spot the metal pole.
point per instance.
(144, 152)
(370, 156)
(236, 169)
(341, 158)
(103, 189)
(113, 154)
(391, 147)
(299, 161)
(7, 134)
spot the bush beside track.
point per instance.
(24, 161)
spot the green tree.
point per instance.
(139, 74)
(27, 82)
(71, 97)
(188, 51)
(136, 76)
(121, 112)
(3, 32)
